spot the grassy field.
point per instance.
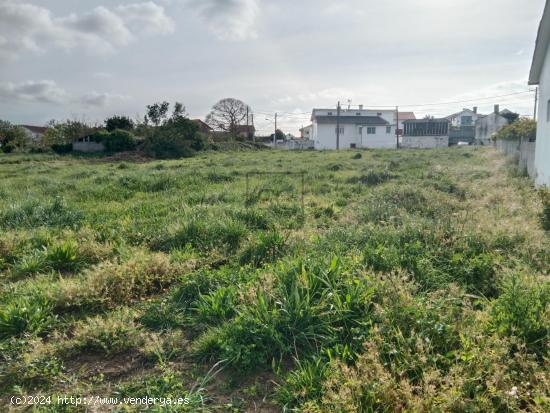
(406, 281)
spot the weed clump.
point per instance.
(34, 214)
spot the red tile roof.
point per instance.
(406, 116)
(35, 129)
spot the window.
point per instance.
(341, 130)
(466, 120)
(357, 113)
(371, 130)
(330, 114)
(388, 129)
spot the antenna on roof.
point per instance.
(349, 104)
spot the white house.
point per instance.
(306, 132)
(488, 125)
(359, 128)
(540, 75)
(466, 117)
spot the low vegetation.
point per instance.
(406, 281)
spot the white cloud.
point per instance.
(47, 91)
(228, 19)
(32, 91)
(28, 28)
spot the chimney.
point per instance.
(475, 110)
(360, 107)
(497, 109)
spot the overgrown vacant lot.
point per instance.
(412, 280)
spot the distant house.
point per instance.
(466, 117)
(359, 128)
(306, 132)
(426, 133)
(203, 126)
(35, 133)
(540, 75)
(246, 131)
(488, 125)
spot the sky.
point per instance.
(92, 59)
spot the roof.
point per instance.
(406, 116)
(357, 120)
(35, 129)
(454, 115)
(202, 124)
(541, 47)
(426, 120)
(245, 128)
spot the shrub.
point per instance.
(372, 178)
(267, 248)
(62, 148)
(119, 140)
(177, 138)
(112, 334)
(523, 309)
(216, 307)
(30, 315)
(33, 214)
(524, 128)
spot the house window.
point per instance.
(330, 114)
(466, 120)
(341, 130)
(357, 114)
(371, 130)
(388, 129)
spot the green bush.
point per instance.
(176, 138)
(118, 140)
(29, 315)
(524, 128)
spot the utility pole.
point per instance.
(397, 127)
(254, 135)
(338, 127)
(275, 134)
(536, 102)
(247, 127)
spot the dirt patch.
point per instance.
(112, 367)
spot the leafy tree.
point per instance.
(179, 111)
(510, 116)
(118, 140)
(119, 122)
(523, 128)
(280, 135)
(227, 114)
(176, 138)
(157, 112)
(12, 137)
(64, 133)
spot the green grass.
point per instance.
(412, 280)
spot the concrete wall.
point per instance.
(324, 136)
(523, 153)
(425, 142)
(542, 154)
(88, 147)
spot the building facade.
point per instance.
(540, 75)
(358, 128)
(35, 133)
(426, 133)
(487, 126)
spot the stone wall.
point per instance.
(88, 147)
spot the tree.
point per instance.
(176, 138)
(280, 135)
(179, 111)
(525, 129)
(12, 137)
(227, 114)
(118, 140)
(156, 112)
(510, 116)
(64, 133)
(119, 122)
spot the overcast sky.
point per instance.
(90, 59)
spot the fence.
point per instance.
(522, 151)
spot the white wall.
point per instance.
(324, 136)
(542, 154)
(425, 141)
(457, 120)
(487, 126)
